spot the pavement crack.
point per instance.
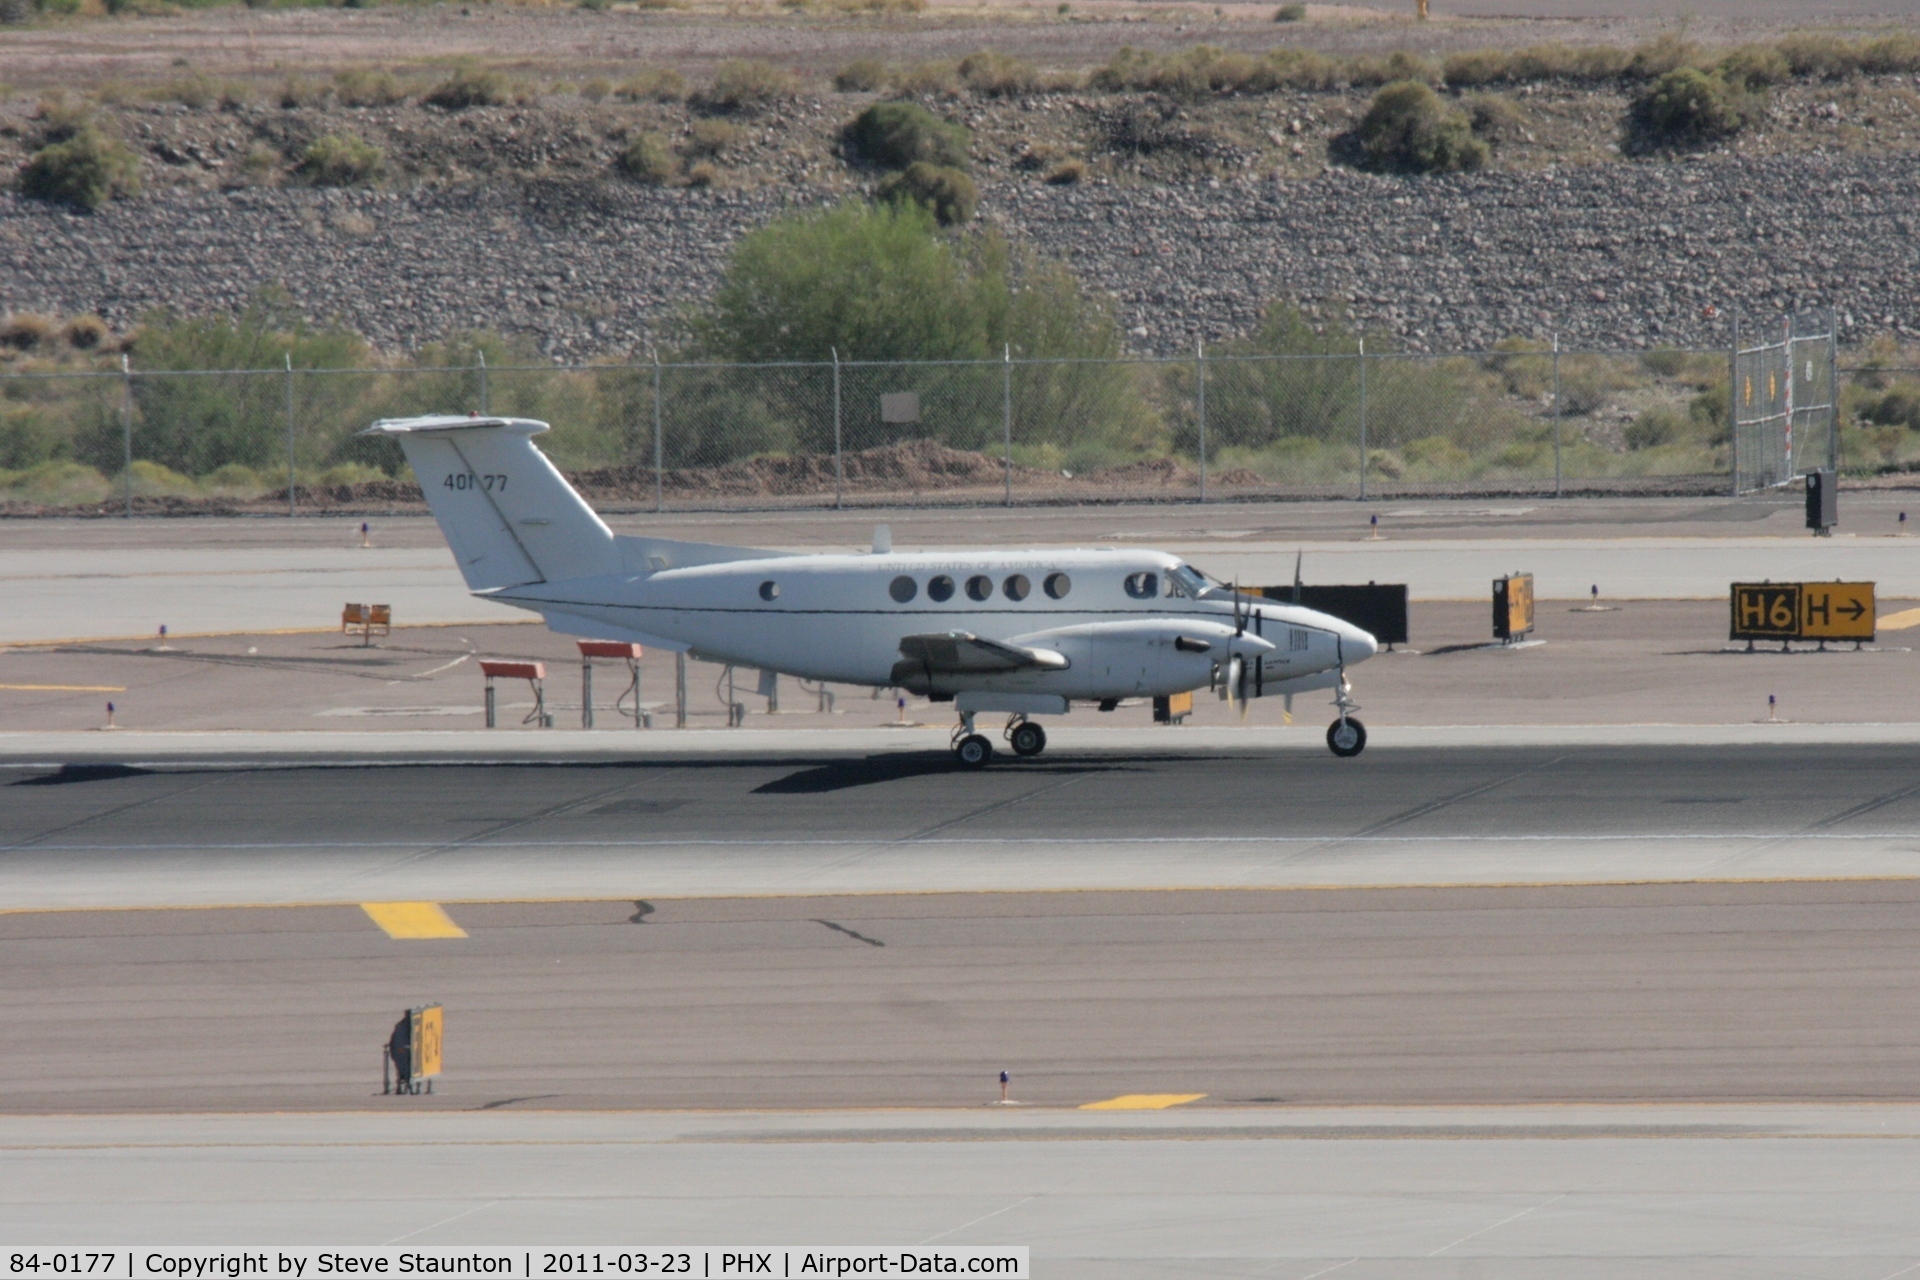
(857, 937)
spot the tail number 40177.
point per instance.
(468, 480)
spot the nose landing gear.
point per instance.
(1346, 737)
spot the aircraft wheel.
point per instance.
(1346, 738)
(974, 752)
(1029, 739)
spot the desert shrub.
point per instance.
(1667, 362)
(862, 75)
(298, 91)
(596, 88)
(1407, 129)
(709, 138)
(893, 135)
(1897, 54)
(928, 80)
(646, 160)
(87, 333)
(85, 171)
(1290, 13)
(26, 331)
(57, 118)
(949, 193)
(366, 87)
(1660, 56)
(1395, 67)
(1688, 107)
(703, 174)
(1754, 66)
(340, 160)
(653, 84)
(742, 85)
(1067, 172)
(997, 75)
(1898, 405)
(1655, 427)
(469, 86)
(1494, 118)
(195, 92)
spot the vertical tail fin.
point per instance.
(509, 515)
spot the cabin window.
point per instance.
(1185, 580)
(769, 590)
(1058, 584)
(979, 587)
(903, 589)
(940, 588)
(1016, 586)
(1143, 586)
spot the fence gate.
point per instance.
(1784, 418)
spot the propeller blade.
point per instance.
(1298, 556)
(1286, 709)
(1239, 623)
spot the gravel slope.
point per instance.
(1612, 254)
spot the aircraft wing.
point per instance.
(951, 653)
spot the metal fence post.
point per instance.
(1733, 402)
(1556, 415)
(481, 371)
(1006, 418)
(126, 431)
(1363, 417)
(1200, 406)
(839, 464)
(1833, 394)
(1786, 346)
(292, 501)
(658, 481)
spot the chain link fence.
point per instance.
(1528, 418)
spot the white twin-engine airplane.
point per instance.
(1018, 632)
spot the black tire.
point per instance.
(974, 752)
(1029, 739)
(1349, 744)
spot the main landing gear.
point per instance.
(974, 750)
(1346, 737)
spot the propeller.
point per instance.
(1236, 662)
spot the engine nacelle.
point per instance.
(1150, 658)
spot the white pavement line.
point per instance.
(976, 1222)
(1496, 1225)
(443, 1222)
(1327, 1271)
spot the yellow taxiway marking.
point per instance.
(68, 688)
(413, 919)
(1142, 1102)
(1897, 621)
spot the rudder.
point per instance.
(508, 514)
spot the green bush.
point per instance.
(708, 138)
(340, 160)
(1407, 129)
(949, 193)
(893, 135)
(1688, 107)
(469, 87)
(1290, 13)
(85, 172)
(647, 160)
(1655, 427)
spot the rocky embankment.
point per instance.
(1611, 255)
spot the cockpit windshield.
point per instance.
(1185, 580)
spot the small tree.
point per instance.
(85, 171)
(1408, 129)
(893, 135)
(340, 160)
(1688, 107)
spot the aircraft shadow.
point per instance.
(839, 775)
(72, 773)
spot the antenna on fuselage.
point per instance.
(882, 540)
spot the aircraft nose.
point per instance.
(1357, 645)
